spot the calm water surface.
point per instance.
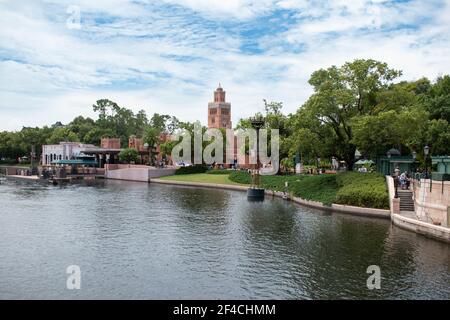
(136, 240)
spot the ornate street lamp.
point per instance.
(413, 166)
(426, 151)
(255, 192)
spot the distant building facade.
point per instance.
(137, 144)
(62, 151)
(219, 116)
(110, 143)
(107, 153)
(219, 111)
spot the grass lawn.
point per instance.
(202, 177)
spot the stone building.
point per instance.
(219, 116)
(110, 143)
(219, 111)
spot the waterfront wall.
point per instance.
(432, 201)
(140, 173)
(370, 212)
(12, 170)
(404, 222)
(412, 222)
(421, 227)
(132, 174)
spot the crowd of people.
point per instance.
(404, 179)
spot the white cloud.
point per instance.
(169, 59)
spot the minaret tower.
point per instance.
(219, 111)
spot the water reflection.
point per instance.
(135, 240)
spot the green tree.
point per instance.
(95, 135)
(10, 145)
(128, 155)
(159, 121)
(62, 134)
(35, 137)
(122, 121)
(437, 137)
(340, 94)
(151, 137)
(437, 99)
(81, 126)
(374, 134)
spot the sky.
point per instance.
(57, 57)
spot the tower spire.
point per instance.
(219, 111)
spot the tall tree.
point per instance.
(437, 99)
(340, 95)
(151, 137)
(62, 134)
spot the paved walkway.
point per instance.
(29, 178)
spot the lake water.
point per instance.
(150, 241)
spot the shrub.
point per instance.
(362, 190)
(350, 188)
(198, 168)
(242, 177)
(320, 188)
(128, 155)
(275, 182)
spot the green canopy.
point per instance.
(76, 161)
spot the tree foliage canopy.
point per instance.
(356, 106)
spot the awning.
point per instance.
(76, 161)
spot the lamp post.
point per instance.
(426, 151)
(255, 192)
(389, 160)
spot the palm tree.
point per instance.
(151, 139)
